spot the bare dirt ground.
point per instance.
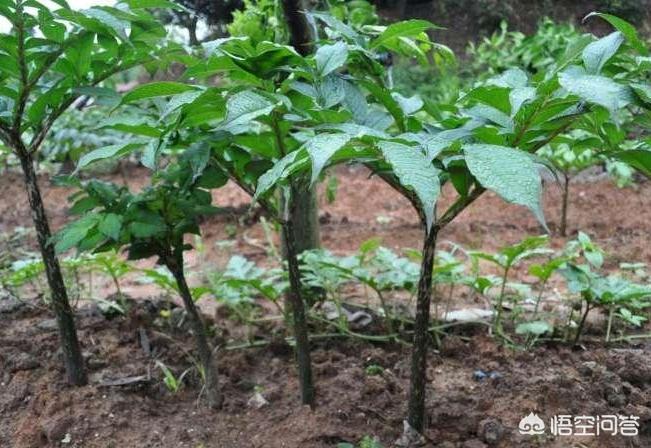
(38, 410)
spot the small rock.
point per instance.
(257, 401)
(491, 431)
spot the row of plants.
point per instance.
(285, 115)
(387, 283)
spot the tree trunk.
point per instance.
(416, 406)
(206, 357)
(566, 194)
(295, 300)
(72, 358)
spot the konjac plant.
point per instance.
(486, 142)
(275, 98)
(153, 223)
(49, 57)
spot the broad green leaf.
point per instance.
(410, 105)
(331, 91)
(640, 159)
(150, 155)
(321, 147)
(276, 173)
(197, 156)
(106, 152)
(330, 57)
(512, 78)
(414, 171)
(110, 226)
(147, 229)
(335, 24)
(132, 125)
(117, 25)
(596, 89)
(71, 235)
(511, 173)
(406, 28)
(244, 107)
(156, 89)
(597, 54)
(384, 97)
(625, 28)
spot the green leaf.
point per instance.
(640, 159)
(132, 125)
(330, 57)
(244, 107)
(147, 229)
(509, 172)
(643, 92)
(597, 54)
(110, 226)
(385, 98)
(106, 152)
(71, 235)
(625, 28)
(596, 89)
(156, 89)
(109, 20)
(197, 156)
(321, 147)
(276, 173)
(407, 28)
(414, 171)
(159, 4)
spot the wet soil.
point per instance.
(38, 410)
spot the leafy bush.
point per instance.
(153, 223)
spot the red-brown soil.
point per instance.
(38, 410)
